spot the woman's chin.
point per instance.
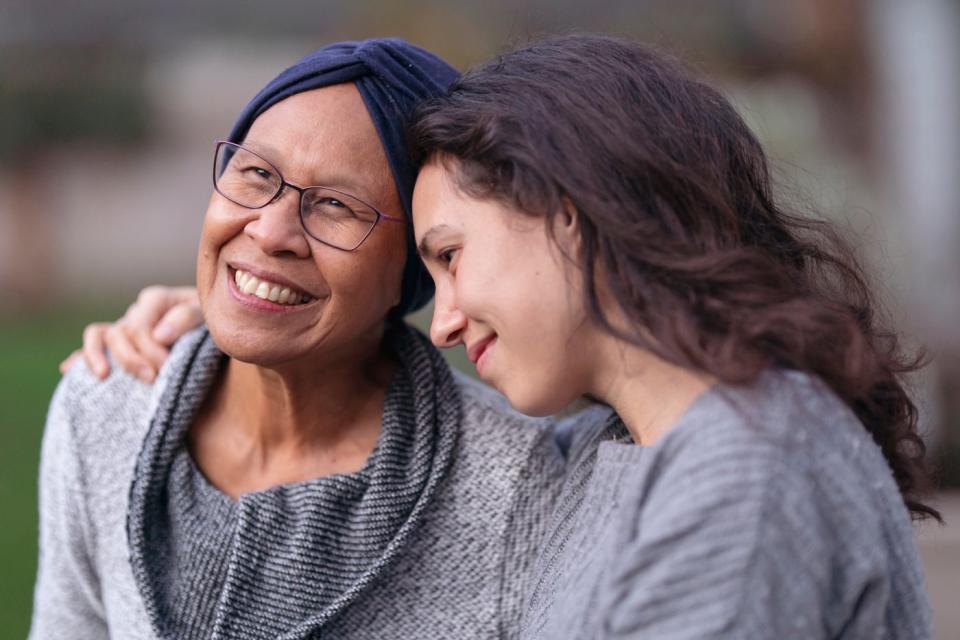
(537, 403)
(249, 346)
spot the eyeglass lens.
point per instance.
(328, 215)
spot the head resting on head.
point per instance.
(393, 77)
(683, 248)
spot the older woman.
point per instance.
(305, 465)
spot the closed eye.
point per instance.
(446, 256)
(328, 207)
(259, 172)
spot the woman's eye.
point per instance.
(330, 208)
(333, 203)
(447, 255)
(258, 173)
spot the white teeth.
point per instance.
(251, 285)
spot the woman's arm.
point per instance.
(140, 340)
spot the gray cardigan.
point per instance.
(460, 571)
(766, 512)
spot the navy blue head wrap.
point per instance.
(393, 77)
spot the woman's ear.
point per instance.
(566, 228)
(569, 215)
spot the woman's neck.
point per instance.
(648, 393)
(320, 407)
(267, 426)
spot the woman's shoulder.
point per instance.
(103, 421)
(784, 445)
(769, 495)
(789, 417)
(92, 411)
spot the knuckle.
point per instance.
(113, 332)
(150, 293)
(93, 330)
(181, 313)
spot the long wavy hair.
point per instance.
(678, 216)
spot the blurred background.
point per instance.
(108, 111)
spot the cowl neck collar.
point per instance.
(310, 547)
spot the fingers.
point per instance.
(177, 321)
(70, 360)
(130, 338)
(186, 295)
(139, 340)
(94, 349)
(127, 347)
(151, 304)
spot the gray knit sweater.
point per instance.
(766, 512)
(434, 538)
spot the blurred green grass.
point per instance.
(31, 347)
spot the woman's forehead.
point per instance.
(326, 134)
(334, 118)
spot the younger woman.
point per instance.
(598, 222)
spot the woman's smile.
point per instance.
(266, 292)
(481, 352)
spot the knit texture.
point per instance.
(766, 512)
(420, 543)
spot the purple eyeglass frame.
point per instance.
(300, 190)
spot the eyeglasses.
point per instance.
(330, 216)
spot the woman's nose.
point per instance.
(448, 324)
(277, 228)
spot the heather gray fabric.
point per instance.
(457, 566)
(765, 513)
(290, 557)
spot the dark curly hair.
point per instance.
(678, 217)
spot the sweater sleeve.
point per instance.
(67, 602)
(738, 537)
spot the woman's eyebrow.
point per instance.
(339, 181)
(425, 246)
(265, 149)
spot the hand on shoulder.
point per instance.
(140, 340)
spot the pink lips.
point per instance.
(478, 350)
